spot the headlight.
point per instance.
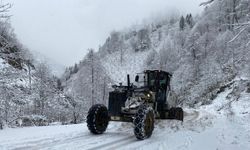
(148, 95)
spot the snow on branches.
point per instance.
(4, 8)
(239, 33)
(206, 3)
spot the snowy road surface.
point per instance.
(118, 135)
(207, 128)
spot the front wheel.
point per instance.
(97, 119)
(144, 122)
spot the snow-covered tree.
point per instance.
(182, 23)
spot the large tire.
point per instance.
(179, 114)
(144, 122)
(176, 113)
(97, 119)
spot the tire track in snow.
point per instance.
(191, 116)
(46, 143)
(114, 144)
(76, 141)
(83, 141)
(108, 137)
(130, 141)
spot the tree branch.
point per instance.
(206, 3)
(239, 24)
(5, 5)
(248, 43)
(3, 9)
(237, 35)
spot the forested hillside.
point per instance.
(29, 93)
(203, 52)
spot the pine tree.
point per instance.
(182, 23)
(189, 20)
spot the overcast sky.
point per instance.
(64, 29)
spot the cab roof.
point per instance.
(159, 71)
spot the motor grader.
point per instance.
(149, 98)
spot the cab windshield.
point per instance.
(151, 78)
(157, 79)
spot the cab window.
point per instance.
(163, 80)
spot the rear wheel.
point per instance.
(97, 119)
(144, 122)
(179, 114)
(176, 113)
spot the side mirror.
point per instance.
(136, 78)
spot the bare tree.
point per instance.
(91, 55)
(4, 9)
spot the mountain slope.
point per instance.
(203, 53)
(56, 68)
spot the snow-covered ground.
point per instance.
(2, 63)
(222, 125)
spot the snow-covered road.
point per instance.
(118, 135)
(206, 128)
(195, 132)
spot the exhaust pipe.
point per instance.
(128, 81)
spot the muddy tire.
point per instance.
(97, 119)
(144, 122)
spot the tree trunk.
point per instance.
(104, 91)
(92, 82)
(121, 57)
(74, 118)
(1, 125)
(29, 70)
(1, 122)
(234, 18)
